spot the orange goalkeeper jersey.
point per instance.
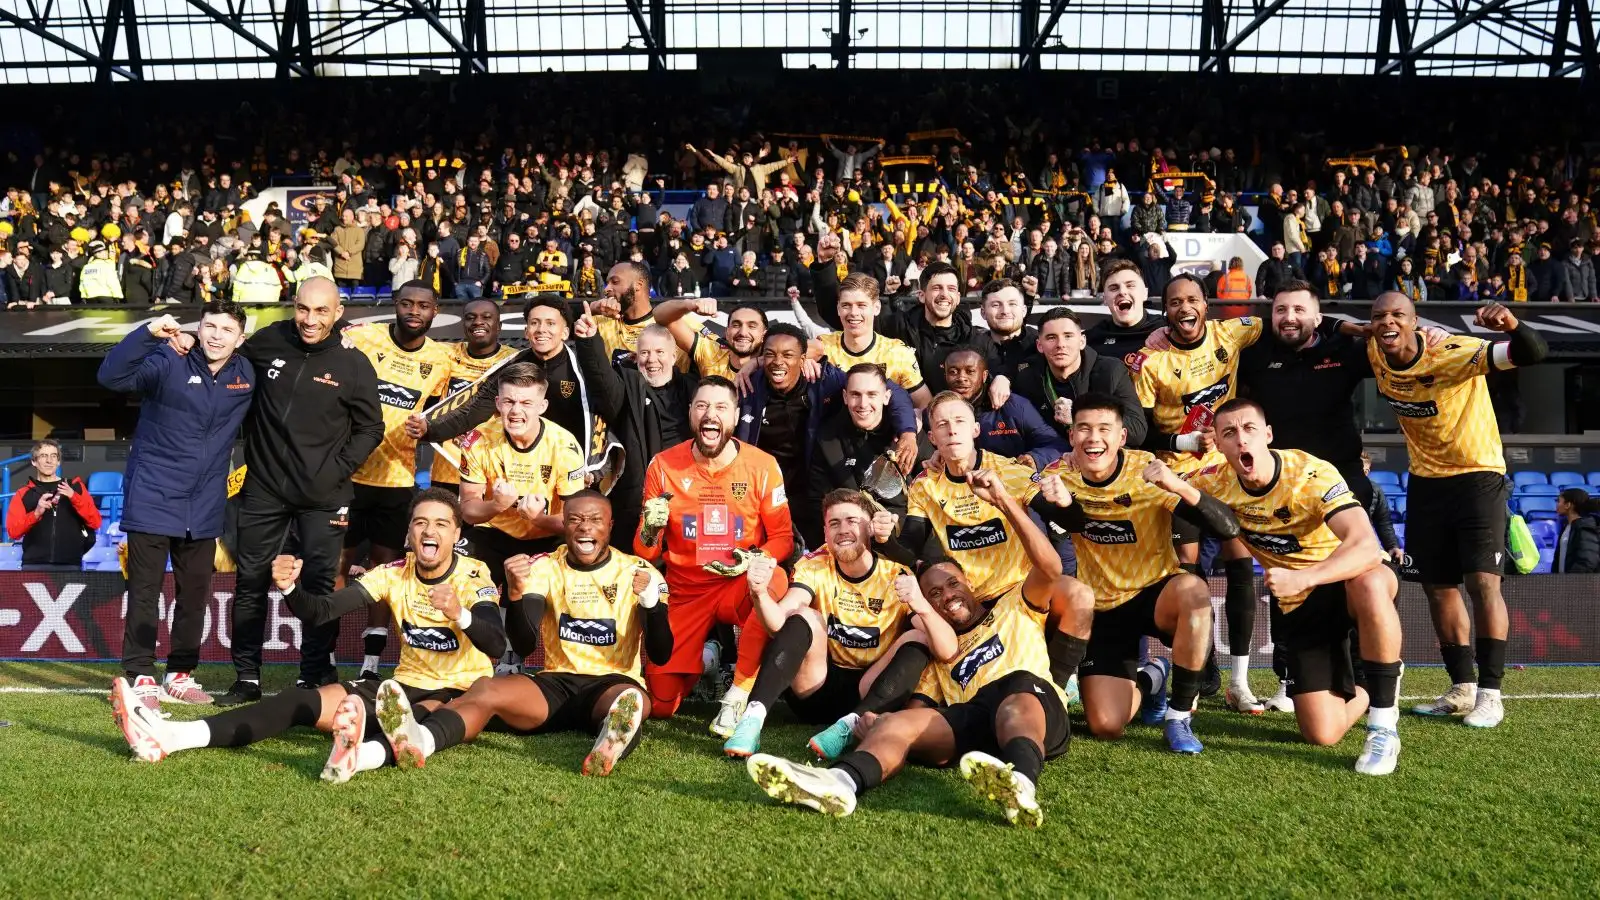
(711, 513)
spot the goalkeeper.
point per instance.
(711, 504)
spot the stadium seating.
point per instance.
(1525, 478)
(1568, 479)
(1594, 479)
(1541, 507)
(1547, 559)
(1384, 479)
(10, 557)
(1537, 490)
(424, 480)
(1397, 506)
(1545, 532)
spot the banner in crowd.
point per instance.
(79, 615)
(1201, 254)
(296, 203)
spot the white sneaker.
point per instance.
(1457, 701)
(1001, 783)
(1281, 701)
(400, 726)
(182, 688)
(1240, 699)
(147, 693)
(141, 728)
(1487, 711)
(825, 790)
(727, 719)
(1380, 753)
(349, 724)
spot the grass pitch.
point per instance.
(1510, 812)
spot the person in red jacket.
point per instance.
(54, 517)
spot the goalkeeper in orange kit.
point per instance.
(710, 505)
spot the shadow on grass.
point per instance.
(109, 740)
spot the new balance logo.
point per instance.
(195, 379)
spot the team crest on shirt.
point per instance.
(610, 592)
(1281, 514)
(427, 369)
(1222, 354)
(739, 489)
(1425, 380)
(1124, 500)
(544, 473)
(567, 387)
(875, 605)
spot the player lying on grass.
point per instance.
(842, 644)
(1118, 505)
(449, 615)
(1324, 568)
(993, 704)
(593, 606)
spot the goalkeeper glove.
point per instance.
(741, 562)
(656, 511)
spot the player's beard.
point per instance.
(850, 552)
(723, 436)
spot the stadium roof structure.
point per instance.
(110, 41)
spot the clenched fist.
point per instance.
(443, 598)
(907, 591)
(519, 571)
(165, 328)
(285, 572)
(416, 426)
(1055, 490)
(883, 525)
(759, 573)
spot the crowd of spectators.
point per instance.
(478, 193)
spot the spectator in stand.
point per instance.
(404, 267)
(24, 282)
(1157, 262)
(55, 518)
(176, 486)
(473, 272)
(1275, 272)
(1578, 547)
(349, 242)
(1235, 282)
(1549, 277)
(712, 209)
(1148, 217)
(1408, 282)
(1580, 273)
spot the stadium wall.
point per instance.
(78, 616)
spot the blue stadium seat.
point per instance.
(1405, 480)
(1400, 533)
(1567, 479)
(1384, 479)
(1524, 478)
(1536, 490)
(1547, 560)
(102, 483)
(1397, 506)
(1531, 505)
(1594, 478)
(10, 557)
(424, 480)
(98, 555)
(1545, 532)
(365, 294)
(385, 295)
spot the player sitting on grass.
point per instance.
(991, 704)
(449, 615)
(1324, 568)
(1118, 505)
(593, 606)
(841, 644)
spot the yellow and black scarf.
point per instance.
(1333, 277)
(1517, 283)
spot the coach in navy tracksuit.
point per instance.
(177, 478)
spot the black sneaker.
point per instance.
(1211, 681)
(323, 680)
(370, 675)
(241, 692)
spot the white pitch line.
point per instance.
(106, 690)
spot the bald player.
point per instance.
(1456, 523)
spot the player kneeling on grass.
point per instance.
(842, 645)
(1118, 506)
(448, 610)
(1325, 571)
(593, 606)
(994, 704)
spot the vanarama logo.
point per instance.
(327, 379)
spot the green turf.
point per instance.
(1509, 812)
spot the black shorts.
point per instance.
(1114, 637)
(570, 699)
(493, 547)
(838, 694)
(1185, 530)
(368, 691)
(379, 515)
(1316, 640)
(1456, 525)
(973, 721)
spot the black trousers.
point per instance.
(193, 561)
(264, 523)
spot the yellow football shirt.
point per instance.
(1126, 544)
(434, 653)
(592, 622)
(1442, 402)
(896, 357)
(1174, 381)
(1284, 524)
(864, 617)
(1010, 638)
(973, 532)
(712, 357)
(406, 379)
(465, 369)
(552, 468)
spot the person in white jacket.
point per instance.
(634, 172)
(850, 159)
(1112, 202)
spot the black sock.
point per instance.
(373, 642)
(1192, 568)
(1491, 663)
(1358, 666)
(1066, 651)
(1025, 756)
(1185, 687)
(271, 717)
(1239, 605)
(447, 727)
(1458, 662)
(1280, 661)
(863, 769)
(781, 660)
(1144, 681)
(1383, 681)
(897, 680)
